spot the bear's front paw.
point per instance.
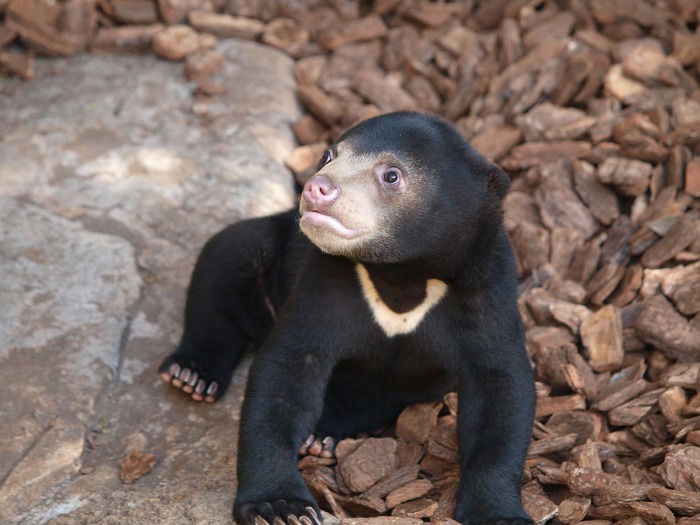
(289, 511)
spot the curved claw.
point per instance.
(319, 447)
(279, 512)
(190, 382)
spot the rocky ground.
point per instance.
(110, 182)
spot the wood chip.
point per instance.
(676, 240)
(601, 334)
(226, 26)
(136, 465)
(352, 31)
(126, 39)
(373, 460)
(660, 325)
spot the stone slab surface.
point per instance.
(112, 176)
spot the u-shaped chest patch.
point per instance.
(395, 323)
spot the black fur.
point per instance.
(327, 368)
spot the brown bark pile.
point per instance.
(593, 107)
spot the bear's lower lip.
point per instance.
(321, 220)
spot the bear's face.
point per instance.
(352, 206)
(396, 188)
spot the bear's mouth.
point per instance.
(319, 220)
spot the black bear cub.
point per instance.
(399, 287)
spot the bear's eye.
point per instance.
(391, 176)
(326, 158)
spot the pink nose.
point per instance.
(319, 190)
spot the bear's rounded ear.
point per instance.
(498, 182)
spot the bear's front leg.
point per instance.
(284, 399)
(494, 421)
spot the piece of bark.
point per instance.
(646, 61)
(287, 35)
(586, 481)
(352, 31)
(564, 243)
(519, 207)
(692, 177)
(580, 380)
(684, 375)
(685, 503)
(124, 39)
(321, 105)
(416, 421)
(541, 337)
(672, 404)
(547, 121)
(136, 465)
(303, 160)
(650, 511)
(601, 334)
(436, 466)
(394, 481)
(631, 412)
(536, 503)
(424, 93)
(409, 453)
(679, 468)
(497, 141)
(586, 425)
(417, 508)
(226, 26)
(604, 282)
(445, 434)
(133, 11)
(601, 200)
(535, 153)
(373, 460)
(371, 83)
(681, 286)
(566, 289)
(550, 362)
(572, 510)
(18, 63)
(77, 23)
(37, 24)
(587, 456)
(308, 129)
(629, 286)
(7, 35)
(552, 445)
(203, 63)
(629, 176)
(363, 507)
(676, 240)
(622, 492)
(176, 11)
(430, 14)
(176, 42)
(660, 325)
(447, 501)
(531, 245)
(618, 393)
(550, 405)
(412, 490)
(560, 207)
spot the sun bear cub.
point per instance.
(393, 284)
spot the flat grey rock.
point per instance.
(112, 176)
